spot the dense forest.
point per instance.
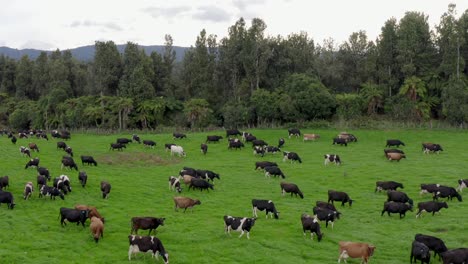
(410, 73)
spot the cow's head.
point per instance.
(370, 250)
(160, 221)
(444, 205)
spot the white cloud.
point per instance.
(212, 13)
(89, 23)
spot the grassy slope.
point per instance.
(31, 233)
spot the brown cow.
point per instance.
(395, 156)
(33, 147)
(97, 228)
(355, 250)
(312, 137)
(93, 212)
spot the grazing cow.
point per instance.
(433, 243)
(275, 171)
(263, 164)
(63, 183)
(4, 182)
(55, 134)
(64, 134)
(145, 223)
(185, 202)
(429, 207)
(395, 156)
(294, 132)
(51, 191)
(123, 141)
(387, 185)
(69, 151)
(187, 179)
(455, 256)
(271, 149)
(291, 188)
(207, 175)
(7, 197)
(13, 139)
(136, 138)
(41, 180)
(44, 172)
(292, 156)
(68, 162)
(201, 184)
(340, 141)
(348, 137)
(429, 188)
(311, 224)
(431, 147)
(83, 178)
(204, 148)
(311, 137)
(89, 160)
(22, 135)
(25, 151)
(340, 197)
(149, 143)
(61, 145)
(281, 142)
(327, 215)
(105, 189)
(462, 183)
(396, 208)
(174, 184)
(326, 205)
(397, 196)
(394, 142)
(97, 228)
(179, 135)
(259, 142)
(32, 163)
(259, 150)
(93, 212)
(266, 205)
(28, 189)
(147, 244)
(177, 150)
(393, 151)
(332, 158)
(355, 250)
(117, 146)
(239, 224)
(235, 145)
(233, 132)
(447, 192)
(168, 146)
(73, 216)
(250, 138)
(420, 251)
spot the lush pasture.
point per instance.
(31, 233)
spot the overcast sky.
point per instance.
(65, 24)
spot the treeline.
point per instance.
(409, 73)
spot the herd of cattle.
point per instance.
(397, 201)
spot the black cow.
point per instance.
(4, 182)
(250, 138)
(207, 175)
(213, 138)
(235, 145)
(266, 205)
(271, 149)
(204, 148)
(291, 188)
(89, 160)
(233, 132)
(69, 162)
(83, 178)
(124, 141)
(275, 171)
(174, 184)
(340, 197)
(430, 147)
(41, 180)
(168, 146)
(145, 223)
(396, 208)
(239, 224)
(340, 141)
(326, 205)
(136, 138)
(150, 143)
(462, 183)
(117, 146)
(50, 191)
(327, 215)
(61, 145)
(447, 192)
(201, 184)
(105, 189)
(433, 243)
(32, 163)
(188, 171)
(147, 244)
(7, 197)
(259, 142)
(429, 188)
(292, 156)
(179, 135)
(263, 164)
(333, 158)
(13, 139)
(281, 142)
(311, 224)
(420, 251)
(44, 172)
(73, 216)
(430, 206)
(69, 150)
(394, 142)
(455, 256)
(397, 196)
(387, 185)
(294, 132)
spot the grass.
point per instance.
(31, 233)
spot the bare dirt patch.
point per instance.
(139, 158)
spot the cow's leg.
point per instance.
(242, 233)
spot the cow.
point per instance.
(259, 142)
(13, 139)
(7, 197)
(292, 156)
(4, 182)
(136, 138)
(419, 251)
(266, 205)
(250, 138)
(187, 179)
(197, 183)
(275, 171)
(117, 146)
(263, 164)
(123, 141)
(168, 146)
(83, 178)
(235, 145)
(147, 244)
(393, 151)
(44, 172)
(22, 135)
(397, 196)
(430, 207)
(185, 202)
(89, 160)
(455, 256)
(239, 224)
(149, 143)
(311, 137)
(281, 142)
(105, 189)
(207, 175)
(340, 141)
(145, 223)
(291, 188)
(179, 135)
(387, 185)
(64, 134)
(429, 188)
(73, 216)
(433, 243)
(431, 147)
(203, 148)
(233, 132)
(28, 189)
(327, 215)
(93, 212)
(355, 250)
(326, 205)
(63, 183)
(396, 208)
(69, 151)
(348, 137)
(41, 180)
(68, 162)
(311, 224)
(340, 197)
(178, 150)
(25, 151)
(447, 192)
(271, 149)
(333, 158)
(51, 191)
(61, 145)
(259, 150)
(462, 183)
(394, 142)
(32, 163)
(97, 228)
(174, 184)
(395, 156)
(294, 132)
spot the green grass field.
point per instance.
(31, 233)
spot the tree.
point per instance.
(23, 79)
(388, 70)
(107, 68)
(415, 90)
(151, 111)
(8, 77)
(373, 97)
(40, 76)
(329, 68)
(265, 104)
(455, 102)
(197, 112)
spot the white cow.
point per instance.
(177, 150)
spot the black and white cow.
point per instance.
(455, 256)
(207, 175)
(258, 150)
(431, 147)
(394, 142)
(259, 142)
(168, 146)
(245, 135)
(281, 142)
(63, 183)
(235, 145)
(275, 171)
(73, 216)
(430, 207)
(340, 197)
(420, 251)
(462, 183)
(233, 132)
(266, 205)
(25, 151)
(327, 215)
(89, 160)
(291, 188)
(294, 132)
(340, 141)
(396, 208)
(271, 149)
(204, 148)
(50, 191)
(332, 158)
(213, 138)
(136, 138)
(397, 196)
(174, 184)
(83, 178)
(387, 185)
(429, 188)
(69, 151)
(263, 164)
(150, 143)
(249, 138)
(291, 156)
(145, 244)
(28, 189)
(433, 243)
(179, 135)
(447, 192)
(7, 197)
(239, 224)
(32, 163)
(311, 224)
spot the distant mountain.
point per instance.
(86, 53)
